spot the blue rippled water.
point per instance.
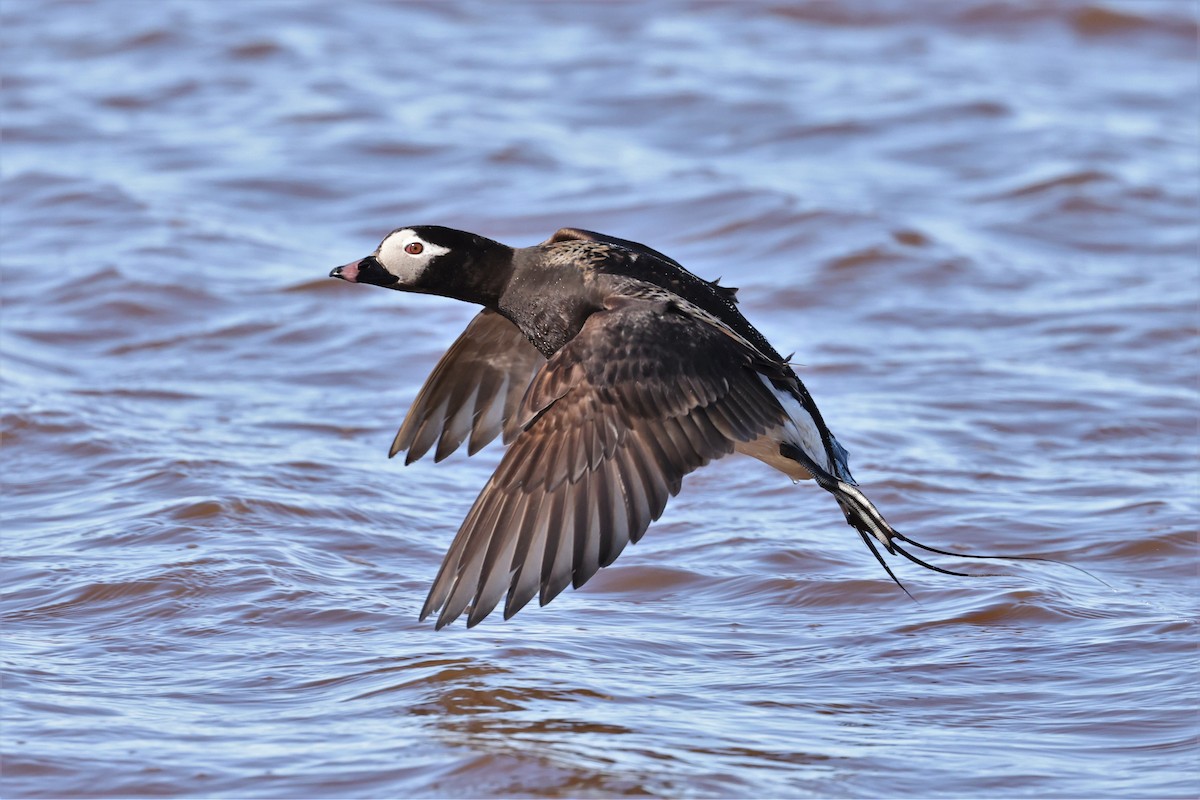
(975, 223)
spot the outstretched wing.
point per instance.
(643, 395)
(473, 391)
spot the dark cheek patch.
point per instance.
(372, 272)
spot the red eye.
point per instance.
(414, 248)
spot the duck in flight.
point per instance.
(611, 372)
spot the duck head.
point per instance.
(431, 259)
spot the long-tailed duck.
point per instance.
(611, 372)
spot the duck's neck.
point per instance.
(482, 277)
(548, 302)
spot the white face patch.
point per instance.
(406, 255)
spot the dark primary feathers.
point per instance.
(611, 372)
(473, 391)
(609, 427)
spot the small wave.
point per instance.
(255, 50)
(1028, 187)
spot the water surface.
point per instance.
(975, 223)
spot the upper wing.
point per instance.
(643, 395)
(727, 293)
(474, 389)
(675, 278)
(580, 235)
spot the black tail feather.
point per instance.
(862, 515)
(929, 549)
(942, 570)
(871, 546)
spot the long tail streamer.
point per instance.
(862, 515)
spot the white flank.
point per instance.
(801, 429)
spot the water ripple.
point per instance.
(975, 225)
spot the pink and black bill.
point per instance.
(365, 270)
